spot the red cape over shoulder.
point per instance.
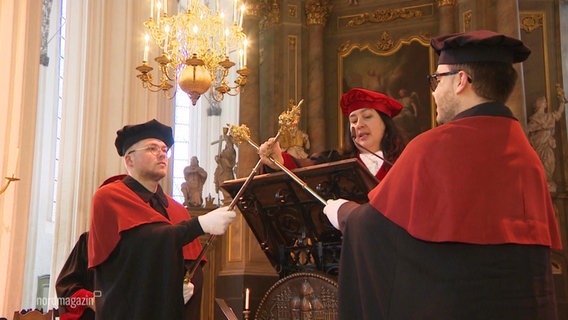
(474, 180)
(117, 208)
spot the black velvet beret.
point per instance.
(130, 134)
(479, 46)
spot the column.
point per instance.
(249, 103)
(508, 23)
(317, 12)
(446, 9)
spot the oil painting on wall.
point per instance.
(399, 73)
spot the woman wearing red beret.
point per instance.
(375, 141)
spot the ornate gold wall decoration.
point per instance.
(292, 10)
(531, 21)
(385, 16)
(467, 16)
(385, 42)
(270, 14)
(317, 11)
(443, 3)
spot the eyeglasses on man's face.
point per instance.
(433, 78)
(154, 149)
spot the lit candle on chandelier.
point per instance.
(167, 31)
(152, 9)
(247, 296)
(243, 7)
(245, 43)
(235, 11)
(146, 48)
(159, 6)
(166, 7)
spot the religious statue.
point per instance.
(293, 140)
(226, 160)
(192, 188)
(541, 127)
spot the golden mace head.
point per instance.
(240, 133)
(289, 119)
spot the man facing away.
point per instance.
(139, 237)
(462, 226)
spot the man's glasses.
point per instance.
(434, 78)
(154, 149)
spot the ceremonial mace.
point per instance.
(288, 120)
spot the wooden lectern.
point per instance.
(296, 236)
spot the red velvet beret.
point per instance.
(130, 134)
(358, 98)
(479, 46)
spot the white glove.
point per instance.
(331, 210)
(217, 221)
(187, 291)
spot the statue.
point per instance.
(293, 140)
(541, 134)
(226, 160)
(192, 188)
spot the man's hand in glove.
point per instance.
(331, 210)
(217, 221)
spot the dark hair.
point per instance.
(490, 80)
(392, 143)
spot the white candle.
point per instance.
(152, 9)
(243, 7)
(159, 5)
(235, 11)
(245, 43)
(166, 7)
(146, 48)
(247, 294)
(167, 30)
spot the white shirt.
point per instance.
(372, 162)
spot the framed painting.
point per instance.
(396, 69)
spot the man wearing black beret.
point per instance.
(139, 237)
(462, 226)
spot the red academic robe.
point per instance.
(460, 228)
(130, 242)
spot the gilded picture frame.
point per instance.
(395, 68)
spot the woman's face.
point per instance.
(368, 128)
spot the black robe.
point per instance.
(73, 277)
(391, 275)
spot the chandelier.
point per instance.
(195, 46)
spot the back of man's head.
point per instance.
(486, 56)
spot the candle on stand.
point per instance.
(247, 298)
(152, 9)
(166, 7)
